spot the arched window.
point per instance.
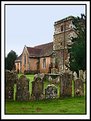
(24, 59)
(44, 62)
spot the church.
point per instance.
(46, 57)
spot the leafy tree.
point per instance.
(10, 59)
(78, 48)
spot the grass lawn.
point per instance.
(56, 106)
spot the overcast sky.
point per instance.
(33, 25)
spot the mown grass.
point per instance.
(56, 106)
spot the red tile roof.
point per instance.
(34, 52)
(41, 50)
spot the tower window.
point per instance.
(62, 28)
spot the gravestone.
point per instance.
(22, 89)
(51, 92)
(10, 79)
(66, 85)
(41, 76)
(37, 89)
(75, 76)
(84, 76)
(81, 74)
(79, 87)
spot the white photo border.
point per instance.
(3, 115)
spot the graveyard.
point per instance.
(35, 94)
(50, 78)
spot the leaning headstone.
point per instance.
(51, 92)
(66, 85)
(79, 87)
(22, 89)
(10, 79)
(37, 89)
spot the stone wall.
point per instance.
(61, 38)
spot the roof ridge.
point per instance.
(34, 48)
(43, 44)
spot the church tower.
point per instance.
(63, 31)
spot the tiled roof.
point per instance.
(46, 49)
(41, 50)
(18, 58)
(34, 52)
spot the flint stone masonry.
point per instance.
(22, 89)
(10, 79)
(51, 92)
(66, 85)
(79, 87)
(37, 88)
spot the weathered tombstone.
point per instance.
(51, 92)
(10, 79)
(75, 76)
(41, 76)
(79, 87)
(56, 80)
(84, 76)
(22, 89)
(66, 85)
(37, 89)
(81, 74)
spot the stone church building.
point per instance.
(49, 57)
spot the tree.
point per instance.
(10, 59)
(78, 48)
